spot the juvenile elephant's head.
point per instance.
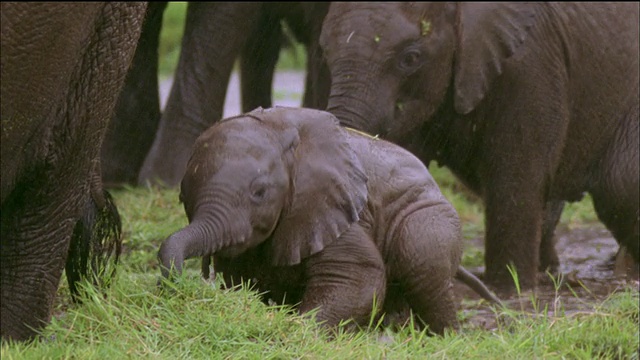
(283, 174)
(394, 64)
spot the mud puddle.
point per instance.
(587, 277)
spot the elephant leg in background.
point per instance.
(213, 37)
(137, 114)
(514, 190)
(616, 191)
(258, 61)
(519, 243)
(260, 54)
(318, 79)
(62, 99)
(549, 260)
(425, 275)
(339, 294)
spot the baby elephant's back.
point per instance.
(391, 168)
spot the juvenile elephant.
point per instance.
(62, 68)
(529, 104)
(321, 216)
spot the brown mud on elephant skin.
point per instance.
(588, 278)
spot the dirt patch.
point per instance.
(588, 276)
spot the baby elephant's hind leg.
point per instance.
(423, 258)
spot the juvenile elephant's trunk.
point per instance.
(192, 241)
(359, 104)
(349, 116)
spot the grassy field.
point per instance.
(200, 321)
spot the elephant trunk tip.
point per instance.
(170, 257)
(352, 118)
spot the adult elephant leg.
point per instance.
(515, 188)
(549, 260)
(213, 37)
(347, 280)
(513, 233)
(616, 191)
(423, 260)
(33, 256)
(137, 114)
(45, 201)
(258, 60)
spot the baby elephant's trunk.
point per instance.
(184, 244)
(477, 285)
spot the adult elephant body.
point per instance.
(528, 104)
(62, 68)
(143, 144)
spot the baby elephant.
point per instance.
(320, 216)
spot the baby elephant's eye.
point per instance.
(410, 60)
(259, 190)
(259, 193)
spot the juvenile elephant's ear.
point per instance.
(329, 185)
(488, 34)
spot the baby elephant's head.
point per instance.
(283, 174)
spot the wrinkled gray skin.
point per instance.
(320, 216)
(62, 67)
(217, 34)
(530, 105)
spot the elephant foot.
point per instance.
(549, 261)
(624, 266)
(504, 283)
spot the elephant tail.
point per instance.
(477, 285)
(96, 244)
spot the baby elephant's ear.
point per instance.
(329, 185)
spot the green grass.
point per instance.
(198, 320)
(171, 38)
(292, 57)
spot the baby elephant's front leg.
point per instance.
(346, 280)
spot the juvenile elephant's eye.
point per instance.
(410, 60)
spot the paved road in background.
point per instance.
(288, 88)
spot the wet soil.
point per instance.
(588, 275)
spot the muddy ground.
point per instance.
(586, 267)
